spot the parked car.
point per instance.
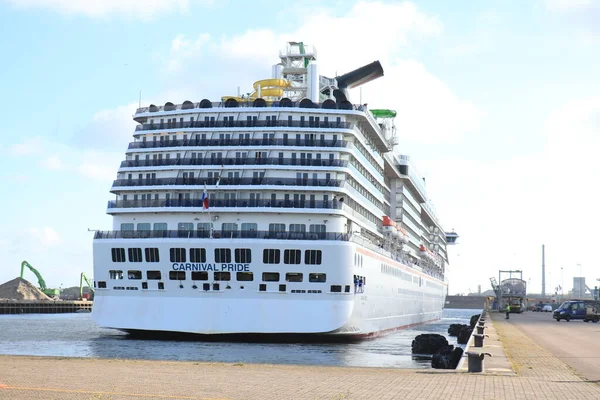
(587, 310)
(542, 307)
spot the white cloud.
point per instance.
(142, 9)
(568, 5)
(53, 163)
(407, 85)
(30, 146)
(518, 203)
(105, 172)
(45, 236)
(109, 129)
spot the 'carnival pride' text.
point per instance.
(210, 267)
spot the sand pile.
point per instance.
(20, 289)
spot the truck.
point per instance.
(587, 310)
(513, 292)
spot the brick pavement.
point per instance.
(538, 375)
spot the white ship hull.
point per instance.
(386, 302)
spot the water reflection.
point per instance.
(76, 335)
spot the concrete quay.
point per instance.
(520, 368)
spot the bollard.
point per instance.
(478, 339)
(480, 329)
(476, 361)
(481, 323)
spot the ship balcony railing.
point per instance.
(228, 181)
(231, 203)
(237, 142)
(243, 124)
(207, 105)
(236, 161)
(222, 234)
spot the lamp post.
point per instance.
(562, 285)
(580, 283)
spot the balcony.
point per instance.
(235, 161)
(238, 142)
(243, 124)
(233, 203)
(283, 103)
(220, 234)
(227, 181)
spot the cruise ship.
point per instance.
(288, 210)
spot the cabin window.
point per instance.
(101, 285)
(298, 228)
(134, 274)
(293, 277)
(199, 275)
(197, 255)
(270, 276)
(317, 228)
(222, 276)
(177, 275)
(127, 227)
(271, 256)
(153, 275)
(115, 274)
(177, 254)
(152, 254)
(203, 229)
(160, 226)
(243, 256)
(292, 256)
(244, 276)
(317, 277)
(312, 257)
(336, 288)
(143, 226)
(262, 287)
(135, 254)
(276, 227)
(118, 254)
(222, 256)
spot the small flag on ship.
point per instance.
(204, 198)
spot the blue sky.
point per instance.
(498, 105)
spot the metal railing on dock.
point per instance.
(44, 307)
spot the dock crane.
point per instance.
(41, 282)
(82, 278)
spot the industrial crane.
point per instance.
(81, 279)
(41, 282)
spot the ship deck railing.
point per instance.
(243, 203)
(244, 124)
(206, 104)
(237, 142)
(313, 162)
(229, 181)
(221, 234)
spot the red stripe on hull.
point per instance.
(373, 335)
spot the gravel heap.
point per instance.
(20, 289)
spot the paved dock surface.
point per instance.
(577, 343)
(534, 373)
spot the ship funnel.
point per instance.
(360, 76)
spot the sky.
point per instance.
(498, 107)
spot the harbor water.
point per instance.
(76, 335)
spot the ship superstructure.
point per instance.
(283, 210)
